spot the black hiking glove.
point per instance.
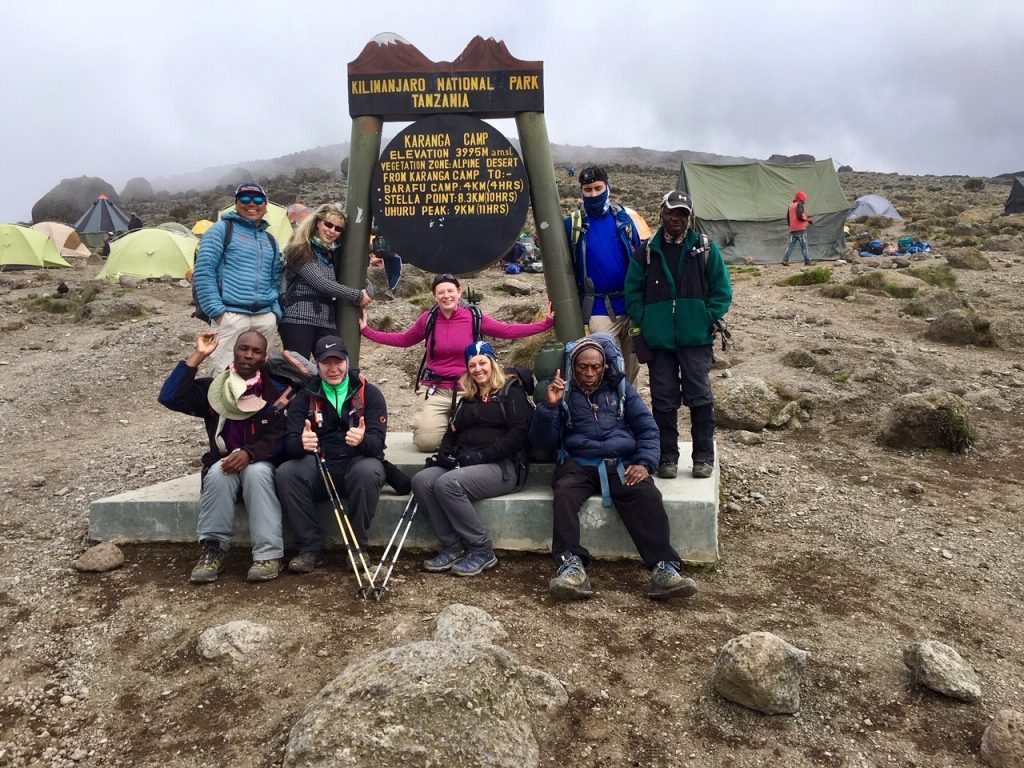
(471, 458)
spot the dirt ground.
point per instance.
(826, 541)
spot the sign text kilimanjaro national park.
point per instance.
(450, 193)
(391, 79)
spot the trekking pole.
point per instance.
(407, 515)
(348, 538)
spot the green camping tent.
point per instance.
(27, 248)
(743, 207)
(150, 252)
(277, 220)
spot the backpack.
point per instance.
(578, 226)
(519, 377)
(229, 228)
(613, 359)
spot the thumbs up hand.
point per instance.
(354, 436)
(310, 441)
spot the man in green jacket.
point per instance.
(677, 288)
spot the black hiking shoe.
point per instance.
(571, 582)
(211, 563)
(306, 562)
(667, 470)
(703, 469)
(667, 582)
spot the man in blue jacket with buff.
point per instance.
(238, 273)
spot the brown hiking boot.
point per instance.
(211, 563)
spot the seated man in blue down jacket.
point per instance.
(605, 452)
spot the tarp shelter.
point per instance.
(103, 216)
(64, 237)
(743, 207)
(277, 221)
(872, 205)
(201, 226)
(176, 228)
(27, 248)
(150, 252)
(1015, 202)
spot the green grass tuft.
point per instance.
(840, 291)
(939, 276)
(813, 276)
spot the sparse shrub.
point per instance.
(878, 281)
(974, 185)
(939, 276)
(523, 351)
(840, 291)
(65, 305)
(813, 276)
(956, 431)
(181, 213)
(387, 323)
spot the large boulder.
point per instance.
(937, 666)
(928, 420)
(1012, 243)
(1002, 744)
(137, 190)
(760, 671)
(454, 700)
(69, 200)
(967, 258)
(952, 327)
(750, 404)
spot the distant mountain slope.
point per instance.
(329, 158)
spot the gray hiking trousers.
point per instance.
(447, 496)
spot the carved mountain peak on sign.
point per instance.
(390, 53)
(490, 55)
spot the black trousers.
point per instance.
(680, 377)
(302, 338)
(640, 506)
(300, 486)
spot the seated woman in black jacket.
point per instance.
(475, 461)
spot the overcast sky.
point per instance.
(118, 89)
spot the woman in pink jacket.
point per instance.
(444, 363)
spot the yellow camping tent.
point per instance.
(150, 252)
(27, 248)
(201, 226)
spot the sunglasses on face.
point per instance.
(254, 199)
(335, 227)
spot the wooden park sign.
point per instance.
(450, 192)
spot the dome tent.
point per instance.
(150, 252)
(104, 215)
(64, 237)
(872, 205)
(27, 248)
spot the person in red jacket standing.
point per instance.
(798, 221)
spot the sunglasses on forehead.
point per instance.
(254, 199)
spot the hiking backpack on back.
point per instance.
(229, 228)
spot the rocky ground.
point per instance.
(845, 548)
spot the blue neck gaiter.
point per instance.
(596, 206)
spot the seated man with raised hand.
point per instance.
(245, 431)
(604, 452)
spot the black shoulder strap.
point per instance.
(478, 318)
(428, 343)
(229, 230)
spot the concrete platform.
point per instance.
(522, 521)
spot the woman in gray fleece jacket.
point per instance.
(311, 288)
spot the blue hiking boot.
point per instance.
(475, 562)
(445, 559)
(571, 582)
(667, 582)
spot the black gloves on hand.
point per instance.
(444, 462)
(470, 458)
